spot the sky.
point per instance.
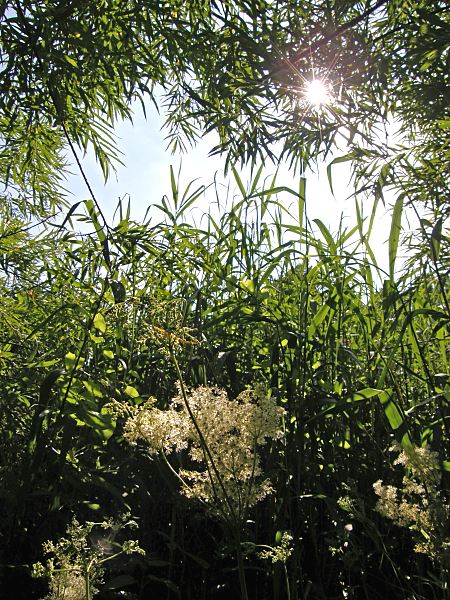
(145, 179)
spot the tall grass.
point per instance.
(257, 293)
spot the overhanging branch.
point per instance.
(323, 41)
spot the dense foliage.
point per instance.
(339, 487)
(69, 70)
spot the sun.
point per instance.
(317, 93)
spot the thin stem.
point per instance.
(87, 584)
(172, 470)
(204, 445)
(433, 259)
(235, 521)
(286, 576)
(82, 172)
(85, 340)
(246, 502)
(241, 570)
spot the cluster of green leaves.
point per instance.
(69, 71)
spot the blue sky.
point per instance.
(145, 178)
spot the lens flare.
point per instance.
(317, 93)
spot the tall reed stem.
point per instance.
(240, 564)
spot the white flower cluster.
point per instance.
(221, 436)
(67, 585)
(75, 561)
(279, 553)
(423, 462)
(418, 504)
(164, 430)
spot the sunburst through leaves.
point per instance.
(317, 93)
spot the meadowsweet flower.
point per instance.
(423, 462)
(346, 503)
(387, 505)
(220, 436)
(279, 553)
(162, 430)
(419, 504)
(75, 563)
(67, 585)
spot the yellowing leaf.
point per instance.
(69, 361)
(99, 322)
(131, 391)
(248, 285)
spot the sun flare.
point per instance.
(317, 93)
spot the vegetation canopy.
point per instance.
(70, 70)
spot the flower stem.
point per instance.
(209, 460)
(87, 585)
(241, 571)
(286, 576)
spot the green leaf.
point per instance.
(100, 323)
(366, 393)
(301, 202)
(327, 235)
(94, 389)
(94, 215)
(436, 237)
(394, 236)
(339, 159)
(395, 416)
(391, 410)
(131, 391)
(70, 60)
(248, 285)
(317, 319)
(239, 182)
(102, 423)
(97, 339)
(69, 361)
